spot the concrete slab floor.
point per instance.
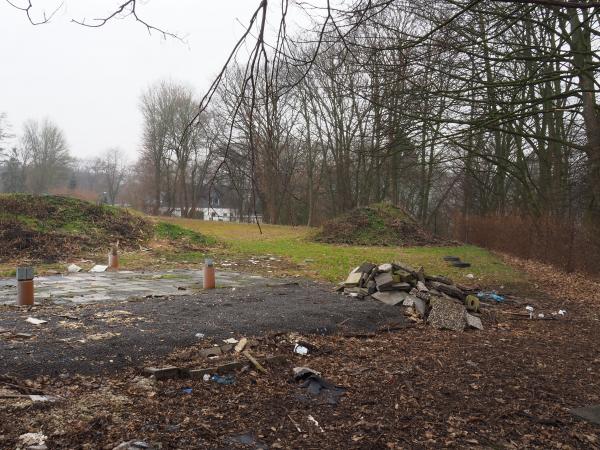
(84, 288)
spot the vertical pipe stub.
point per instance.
(25, 286)
(209, 281)
(113, 258)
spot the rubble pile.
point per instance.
(433, 298)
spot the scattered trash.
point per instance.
(230, 341)
(187, 390)
(300, 349)
(254, 362)
(35, 321)
(223, 379)
(31, 439)
(301, 373)
(460, 264)
(316, 385)
(206, 377)
(451, 258)
(246, 439)
(42, 398)
(562, 312)
(490, 296)
(470, 276)
(199, 335)
(98, 268)
(472, 303)
(133, 445)
(74, 268)
(314, 421)
(241, 345)
(541, 315)
(530, 309)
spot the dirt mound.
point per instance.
(377, 224)
(51, 228)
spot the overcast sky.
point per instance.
(88, 80)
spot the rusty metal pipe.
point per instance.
(209, 281)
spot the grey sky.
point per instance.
(88, 80)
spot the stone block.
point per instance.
(447, 314)
(391, 298)
(162, 373)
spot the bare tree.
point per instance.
(113, 168)
(45, 148)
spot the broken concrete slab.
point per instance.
(384, 281)
(391, 298)
(353, 279)
(211, 351)
(365, 268)
(447, 314)
(421, 287)
(590, 413)
(162, 373)
(74, 268)
(419, 305)
(474, 321)
(406, 287)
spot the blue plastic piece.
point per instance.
(491, 295)
(225, 379)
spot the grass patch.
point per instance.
(173, 232)
(333, 262)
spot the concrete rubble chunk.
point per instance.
(74, 268)
(474, 321)
(353, 279)
(162, 373)
(385, 267)
(391, 298)
(590, 413)
(384, 281)
(421, 287)
(419, 305)
(401, 287)
(447, 314)
(365, 268)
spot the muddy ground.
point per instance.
(106, 337)
(511, 385)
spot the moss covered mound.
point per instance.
(380, 224)
(51, 228)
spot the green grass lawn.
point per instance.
(333, 262)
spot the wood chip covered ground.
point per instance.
(510, 385)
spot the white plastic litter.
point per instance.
(300, 349)
(206, 377)
(30, 439)
(313, 420)
(73, 268)
(35, 321)
(199, 335)
(98, 268)
(530, 309)
(470, 276)
(562, 312)
(541, 315)
(231, 341)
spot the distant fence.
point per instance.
(570, 246)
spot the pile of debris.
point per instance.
(433, 298)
